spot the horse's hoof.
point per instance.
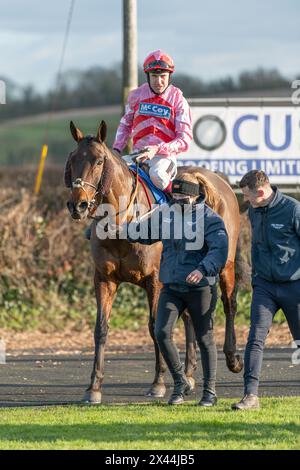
(239, 363)
(192, 383)
(92, 397)
(235, 363)
(156, 391)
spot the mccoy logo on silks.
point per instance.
(156, 110)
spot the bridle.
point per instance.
(79, 183)
(93, 203)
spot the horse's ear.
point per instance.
(76, 133)
(102, 131)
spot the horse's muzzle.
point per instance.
(78, 210)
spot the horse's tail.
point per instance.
(242, 269)
(212, 197)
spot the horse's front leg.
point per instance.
(105, 292)
(158, 388)
(227, 283)
(191, 349)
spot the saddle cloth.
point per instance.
(158, 194)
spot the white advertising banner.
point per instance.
(236, 139)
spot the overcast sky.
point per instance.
(208, 39)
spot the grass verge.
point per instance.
(155, 426)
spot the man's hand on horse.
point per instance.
(194, 277)
(148, 153)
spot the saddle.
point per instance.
(143, 173)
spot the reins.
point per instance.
(95, 202)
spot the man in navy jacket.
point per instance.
(275, 222)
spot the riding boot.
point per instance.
(181, 388)
(209, 398)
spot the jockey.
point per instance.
(158, 118)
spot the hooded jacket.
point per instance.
(199, 242)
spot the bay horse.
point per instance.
(96, 175)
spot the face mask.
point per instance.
(182, 201)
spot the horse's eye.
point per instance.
(99, 161)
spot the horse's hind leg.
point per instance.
(229, 291)
(105, 292)
(191, 349)
(158, 388)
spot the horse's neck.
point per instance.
(123, 187)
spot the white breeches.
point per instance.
(162, 170)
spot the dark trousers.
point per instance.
(200, 304)
(268, 298)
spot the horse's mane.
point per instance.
(118, 159)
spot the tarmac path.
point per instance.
(53, 380)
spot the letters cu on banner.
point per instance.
(236, 139)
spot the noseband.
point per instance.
(80, 184)
(102, 187)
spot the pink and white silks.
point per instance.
(161, 120)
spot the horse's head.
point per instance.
(88, 171)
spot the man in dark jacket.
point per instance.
(275, 222)
(195, 249)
